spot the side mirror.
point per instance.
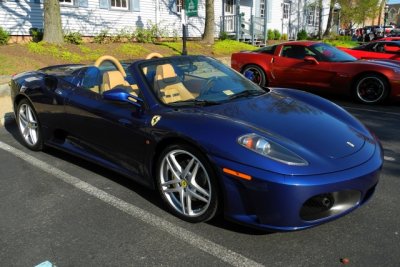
(311, 59)
(121, 95)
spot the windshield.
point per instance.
(194, 80)
(332, 54)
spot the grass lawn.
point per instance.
(16, 58)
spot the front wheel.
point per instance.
(255, 74)
(371, 89)
(29, 126)
(187, 184)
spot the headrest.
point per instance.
(167, 73)
(113, 78)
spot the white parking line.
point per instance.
(193, 239)
(372, 110)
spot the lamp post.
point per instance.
(385, 18)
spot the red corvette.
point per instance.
(319, 67)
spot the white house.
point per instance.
(90, 17)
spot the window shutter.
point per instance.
(104, 4)
(83, 3)
(269, 10)
(257, 8)
(174, 9)
(135, 5)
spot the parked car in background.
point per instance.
(376, 50)
(319, 67)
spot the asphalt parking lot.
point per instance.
(58, 208)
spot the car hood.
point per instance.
(320, 132)
(295, 123)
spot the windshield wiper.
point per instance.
(196, 102)
(247, 93)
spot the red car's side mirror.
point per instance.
(311, 60)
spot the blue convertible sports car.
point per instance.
(205, 137)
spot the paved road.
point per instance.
(72, 213)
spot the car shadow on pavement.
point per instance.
(148, 194)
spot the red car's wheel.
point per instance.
(255, 74)
(371, 89)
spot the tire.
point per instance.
(371, 89)
(255, 74)
(29, 126)
(185, 176)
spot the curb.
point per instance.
(8, 117)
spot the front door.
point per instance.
(230, 8)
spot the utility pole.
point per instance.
(184, 37)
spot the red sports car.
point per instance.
(319, 67)
(376, 50)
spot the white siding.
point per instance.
(19, 17)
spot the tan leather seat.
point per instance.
(114, 78)
(168, 85)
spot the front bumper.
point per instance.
(278, 202)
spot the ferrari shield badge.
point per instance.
(155, 119)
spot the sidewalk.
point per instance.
(6, 111)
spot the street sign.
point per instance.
(191, 8)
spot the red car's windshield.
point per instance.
(330, 53)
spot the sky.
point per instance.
(394, 1)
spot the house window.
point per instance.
(229, 6)
(119, 4)
(310, 16)
(178, 5)
(285, 10)
(262, 9)
(67, 2)
(316, 22)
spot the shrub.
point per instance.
(102, 38)
(277, 35)
(270, 34)
(37, 34)
(284, 36)
(149, 34)
(302, 35)
(223, 36)
(121, 36)
(73, 38)
(4, 36)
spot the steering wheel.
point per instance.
(113, 60)
(207, 87)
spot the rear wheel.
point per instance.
(255, 74)
(29, 126)
(187, 184)
(371, 89)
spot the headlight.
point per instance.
(270, 149)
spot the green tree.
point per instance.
(358, 11)
(52, 22)
(330, 17)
